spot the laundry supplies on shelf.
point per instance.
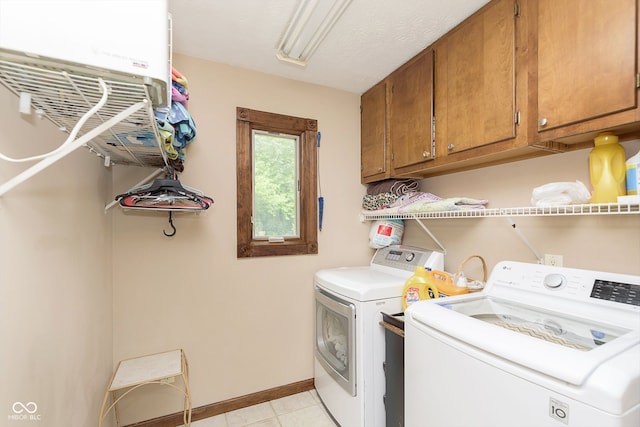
(607, 169)
(633, 178)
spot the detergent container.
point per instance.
(418, 287)
(607, 169)
(633, 178)
(386, 233)
(445, 285)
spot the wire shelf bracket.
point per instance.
(426, 230)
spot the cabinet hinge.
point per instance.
(433, 128)
(516, 9)
(638, 81)
(516, 118)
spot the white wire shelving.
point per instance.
(568, 210)
(63, 97)
(109, 113)
(508, 214)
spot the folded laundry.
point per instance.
(179, 78)
(183, 123)
(416, 202)
(560, 194)
(175, 126)
(166, 132)
(378, 201)
(393, 186)
(179, 96)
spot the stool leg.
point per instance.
(115, 408)
(102, 414)
(187, 401)
(187, 391)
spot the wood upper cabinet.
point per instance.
(374, 161)
(586, 68)
(475, 66)
(514, 77)
(411, 112)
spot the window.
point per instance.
(276, 184)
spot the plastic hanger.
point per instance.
(165, 194)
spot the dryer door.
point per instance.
(335, 338)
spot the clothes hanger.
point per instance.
(166, 194)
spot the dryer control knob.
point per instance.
(409, 257)
(554, 281)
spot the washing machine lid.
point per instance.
(544, 328)
(557, 328)
(524, 335)
(361, 283)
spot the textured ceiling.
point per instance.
(371, 39)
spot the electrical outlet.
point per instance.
(554, 260)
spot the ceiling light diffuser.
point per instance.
(308, 27)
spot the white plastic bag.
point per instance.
(385, 233)
(560, 194)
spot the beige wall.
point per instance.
(246, 324)
(55, 278)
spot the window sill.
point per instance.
(266, 248)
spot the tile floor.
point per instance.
(298, 410)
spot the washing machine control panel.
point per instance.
(569, 283)
(554, 281)
(407, 258)
(625, 293)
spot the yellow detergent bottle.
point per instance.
(418, 287)
(445, 285)
(607, 169)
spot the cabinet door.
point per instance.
(587, 59)
(411, 112)
(373, 144)
(475, 80)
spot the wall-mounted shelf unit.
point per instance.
(108, 90)
(119, 125)
(586, 209)
(102, 87)
(63, 97)
(508, 213)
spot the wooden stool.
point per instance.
(160, 368)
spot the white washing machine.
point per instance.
(349, 341)
(541, 346)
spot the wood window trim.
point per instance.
(246, 121)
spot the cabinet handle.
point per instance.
(426, 154)
(450, 147)
(379, 169)
(543, 122)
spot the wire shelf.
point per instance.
(63, 97)
(586, 209)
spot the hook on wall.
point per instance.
(172, 226)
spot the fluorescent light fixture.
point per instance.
(309, 25)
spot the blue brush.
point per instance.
(320, 198)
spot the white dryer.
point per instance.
(541, 346)
(349, 341)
